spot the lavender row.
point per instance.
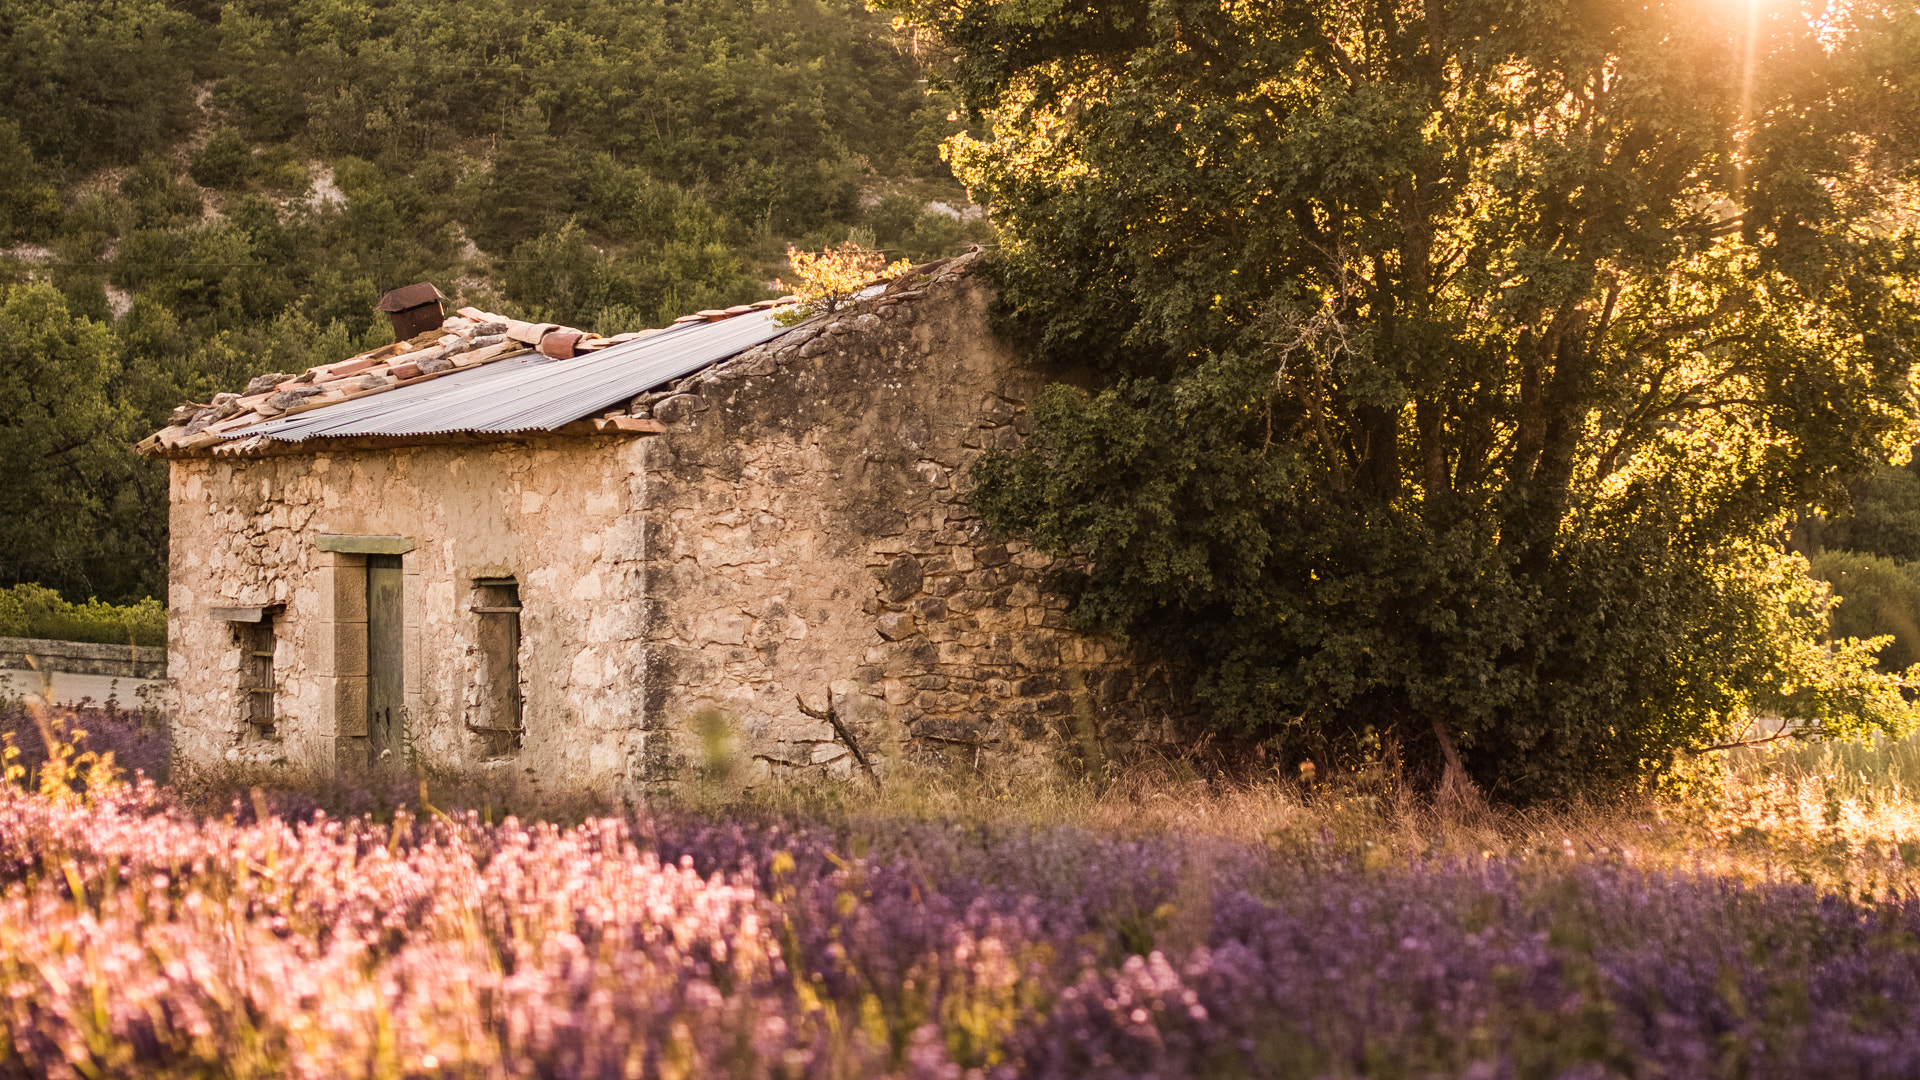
(136, 941)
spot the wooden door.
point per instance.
(386, 668)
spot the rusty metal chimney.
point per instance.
(414, 309)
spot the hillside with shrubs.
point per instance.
(194, 192)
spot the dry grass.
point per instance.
(1841, 816)
(1844, 817)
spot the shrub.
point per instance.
(29, 205)
(1883, 516)
(35, 611)
(225, 162)
(138, 941)
(828, 279)
(158, 198)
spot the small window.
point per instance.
(256, 671)
(497, 607)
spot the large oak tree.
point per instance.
(1453, 367)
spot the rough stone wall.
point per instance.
(84, 658)
(813, 542)
(556, 514)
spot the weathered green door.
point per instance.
(386, 670)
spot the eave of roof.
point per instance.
(480, 373)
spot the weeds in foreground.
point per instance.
(300, 795)
(1842, 817)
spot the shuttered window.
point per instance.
(497, 611)
(256, 671)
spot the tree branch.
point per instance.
(839, 729)
(1783, 733)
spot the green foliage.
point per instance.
(903, 226)
(1882, 516)
(94, 84)
(1454, 368)
(34, 611)
(531, 186)
(29, 205)
(665, 254)
(781, 107)
(687, 140)
(224, 162)
(1877, 597)
(1870, 555)
(158, 198)
(78, 511)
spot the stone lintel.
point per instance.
(243, 613)
(363, 545)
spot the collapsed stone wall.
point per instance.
(809, 541)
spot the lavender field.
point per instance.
(140, 939)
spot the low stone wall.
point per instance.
(85, 658)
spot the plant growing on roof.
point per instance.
(1456, 365)
(830, 278)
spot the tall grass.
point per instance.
(1840, 816)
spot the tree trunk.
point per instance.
(1430, 417)
(1457, 795)
(1379, 472)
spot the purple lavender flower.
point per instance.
(138, 940)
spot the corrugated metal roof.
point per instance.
(531, 393)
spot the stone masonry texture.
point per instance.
(84, 658)
(815, 543)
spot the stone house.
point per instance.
(509, 545)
